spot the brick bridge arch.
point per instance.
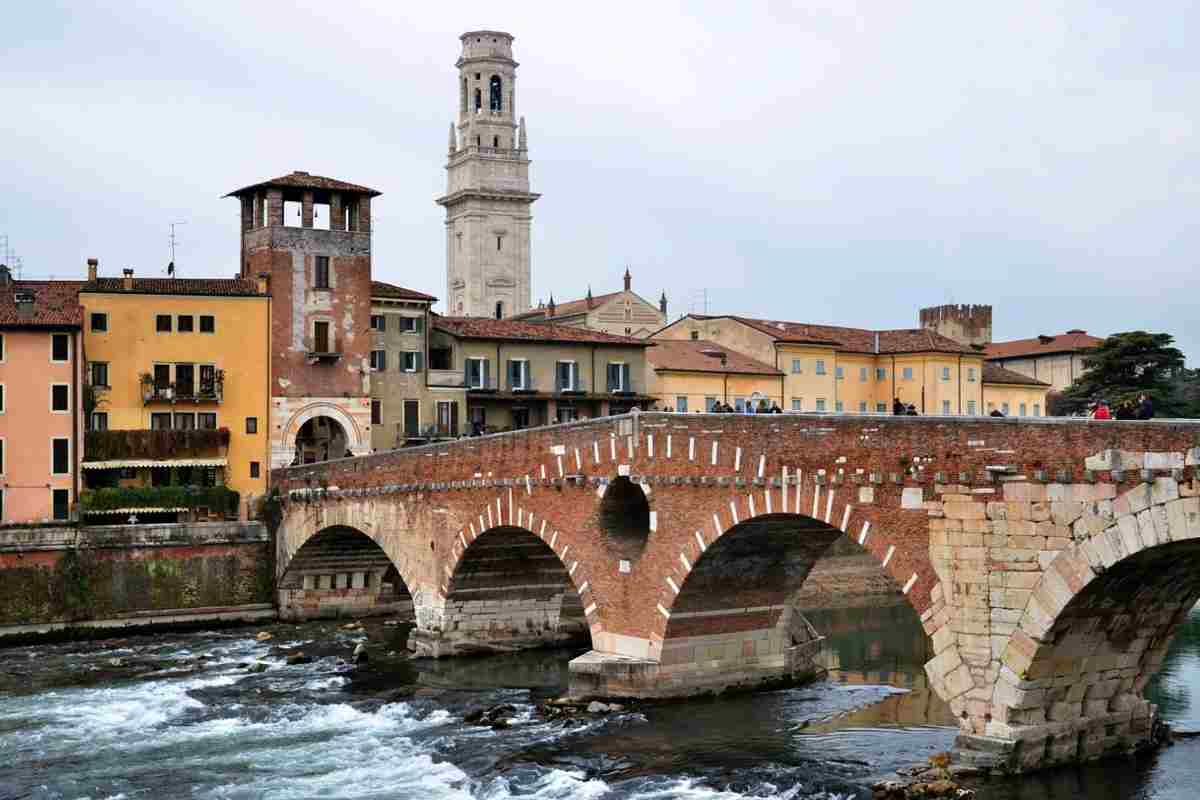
(965, 514)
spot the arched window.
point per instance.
(496, 98)
(499, 310)
(478, 100)
(496, 142)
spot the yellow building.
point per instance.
(176, 354)
(1013, 394)
(835, 369)
(694, 375)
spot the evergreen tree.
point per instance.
(1124, 366)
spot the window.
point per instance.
(797, 404)
(1, 464)
(945, 373)
(739, 405)
(881, 408)
(321, 337)
(498, 238)
(837, 406)
(567, 413)
(1037, 409)
(820, 404)
(99, 322)
(695, 335)
(160, 421)
(499, 310)
(441, 358)
(1021, 409)
(186, 323)
(185, 421)
(378, 360)
(251, 425)
(208, 323)
(908, 375)
(862, 406)
(862, 374)
(410, 325)
(1, 346)
(971, 408)
(255, 469)
(376, 412)
(185, 380)
(681, 404)
(378, 322)
(1004, 409)
(60, 347)
(478, 100)
(946, 408)
(880, 374)
(412, 418)
(495, 100)
(60, 500)
(795, 366)
(208, 380)
(839, 373)
(206, 420)
(60, 398)
(162, 323)
(350, 217)
(447, 418)
(410, 361)
(820, 366)
(99, 421)
(518, 374)
(970, 374)
(99, 373)
(292, 210)
(321, 272)
(710, 403)
(567, 373)
(618, 376)
(60, 456)
(1, 398)
(477, 373)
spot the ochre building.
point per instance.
(696, 374)
(623, 313)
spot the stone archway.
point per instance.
(341, 572)
(337, 429)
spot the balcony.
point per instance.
(452, 378)
(155, 445)
(207, 390)
(321, 351)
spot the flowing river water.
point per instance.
(220, 714)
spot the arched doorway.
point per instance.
(321, 439)
(342, 572)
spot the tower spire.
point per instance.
(628, 278)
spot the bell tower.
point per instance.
(487, 198)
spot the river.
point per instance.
(185, 715)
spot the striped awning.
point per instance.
(127, 511)
(146, 462)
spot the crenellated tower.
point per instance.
(487, 198)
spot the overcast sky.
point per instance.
(824, 162)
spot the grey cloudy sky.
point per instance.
(829, 162)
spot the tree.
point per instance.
(1124, 366)
(1186, 393)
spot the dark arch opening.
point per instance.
(510, 591)
(478, 100)
(625, 518)
(320, 439)
(495, 95)
(342, 572)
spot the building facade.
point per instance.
(41, 393)
(695, 375)
(1011, 393)
(621, 313)
(179, 354)
(487, 197)
(309, 237)
(1055, 360)
(411, 393)
(522, 374)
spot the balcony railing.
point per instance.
(322, 350)
(204, 391)
(446, 377)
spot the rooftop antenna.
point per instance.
(698, 302)
(9, 256)
(173, 240)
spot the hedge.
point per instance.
(156, 445)
(218, 498)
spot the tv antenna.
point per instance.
(173, 240)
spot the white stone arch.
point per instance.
(356, 439)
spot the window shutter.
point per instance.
(610, 384)
(512, 374)
(574, 371)
(466, 372)
(419, 324)
(382, 360)
(625, 384)
(454, 418)
(419, 359)
(487, 373)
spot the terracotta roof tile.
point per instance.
(381, 289)
(516, 330)
(993, 373)
(567, 309)
(55, 305)
(855, 340)
(1070, 342)
(303, 180)
(691, 355)
(213, 287)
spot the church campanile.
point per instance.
(487, 198)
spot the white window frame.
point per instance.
(906, 373)
(482, 377)
(839, 373)
(92, 421)
(574, 372)
(54, 410)
(216, 421)
(862, 374)
(525, 382)
(405, 355)
(881, 408)
(4, 349)
(1004, 409)
(945, 374)
(66, 360)
(881, 373)
(620, 375)
(382, 323)
(838, 406)
(3, 398)
(681, 403)
(411, 321)
(710, 403)
(797, 367)
(66, 439)
(820, 367)
(4, 455)
(970, 408)
(1037, 409)
(90, 374)
(946, 408)
(51, 516)
(862, 406)
(797, 404)
(177, 414)
(820, 404)
(374, 359)
(200, 324)
(1023, 407)
(970, 374)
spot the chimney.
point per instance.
(662, 303)
(127, 280)
(628, 279)
(93, 265)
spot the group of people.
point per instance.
(762, 407)
(1143, 409)
(901, 410)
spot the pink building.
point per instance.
(41, 383)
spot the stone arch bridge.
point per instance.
(1050, 561)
